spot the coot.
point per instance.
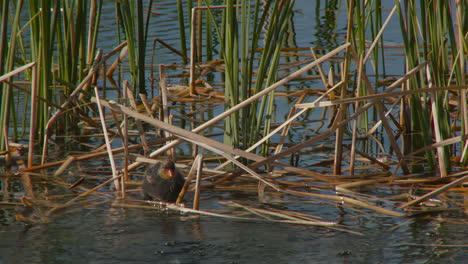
(162, 182)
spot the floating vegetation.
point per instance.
(370, 135)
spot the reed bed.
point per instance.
(256, 157)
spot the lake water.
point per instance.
(112, 234)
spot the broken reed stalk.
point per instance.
(292, 114)
(346, 200)
(144, 100)
(199, 168)
(187, 210)
(445, 142)
(106, 137)
(251, 99)
(85, 157)
(255, 211)
(290, 217)
(272, 133)
(17, 71)
(435, 192)
(94, 189)
(188, 179)
(64, 166)
(385, 94)
(164, 110)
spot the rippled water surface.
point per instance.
(110, 235)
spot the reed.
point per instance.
(136, 35)
(57, 37)
(251, 73)
(429, 35)
(240, 34)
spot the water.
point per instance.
(112, 234)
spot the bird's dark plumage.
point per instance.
(162, 182)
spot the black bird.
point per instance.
(162, 182)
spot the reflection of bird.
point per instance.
(162, 182)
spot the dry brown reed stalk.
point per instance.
(285, 124)
(339, 116)
(125, 145)
(58, 207)
(354, 134)
(293, 114)
(171, 48)
(343, 188)
(379, 34)
(128, 91)
(94, 189)
(445, 142)
(341, 109)
(370, 158)
(196, 196)
(27, 184)
(64, 166)
(344, 201)
(144, 100)
(435, 192)
(17, 71)
(289, 215)
(384, 94)
(284, 218)
(192, 54)
(86, 157)
(118, 60)
(442, 165)
(320, 69)
(106, 137)
(192, 173)
(164, 114)
(32, 121)
(388, 114)
(227, 156)
(303, 222)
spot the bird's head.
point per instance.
(167, 169)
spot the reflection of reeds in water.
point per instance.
(436, 103)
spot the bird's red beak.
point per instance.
(170, 172)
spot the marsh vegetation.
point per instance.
(356, 122)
